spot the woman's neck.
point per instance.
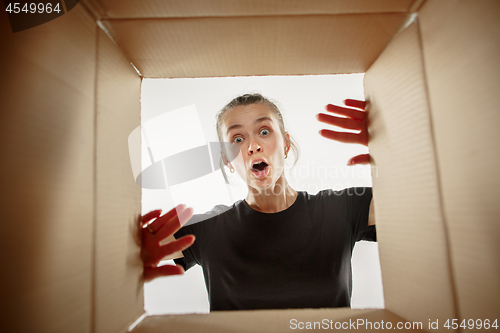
(272, 200)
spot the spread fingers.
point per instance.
(174, 224)
(351, 113)
(341, 136)
(162, 220)
(149, 216)
(178, 245)
(355, 103)
(347, 123)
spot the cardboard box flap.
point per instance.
(281, 45)
(411, 233)
(278, 321)
(119, 9)
(118, 266)
(461, 43)
(47, 148)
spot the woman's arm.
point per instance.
(354, 118)
(371, 214)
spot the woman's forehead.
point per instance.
(245, 115)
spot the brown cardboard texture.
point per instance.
(47, 174)
(70, 97)
(118, 268)
(394, 83)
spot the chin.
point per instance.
(263, 184)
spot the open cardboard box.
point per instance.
(70, 97)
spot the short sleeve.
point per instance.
(200, 225)
(358, 203)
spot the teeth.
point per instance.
(259, 166)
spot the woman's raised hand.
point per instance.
(356, 120)
(162, 227)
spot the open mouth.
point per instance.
(259, 166)
(260, 169)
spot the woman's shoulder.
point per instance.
(331, 195)
(348, 191)
(213, 214)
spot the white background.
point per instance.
(322, 165)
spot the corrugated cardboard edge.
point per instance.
(118, 266)
(410, 222)
(461, 48)
(277, 321)
(153, 9)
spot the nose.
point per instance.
(254, 147)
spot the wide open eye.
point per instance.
(264, 132)
(238, 139)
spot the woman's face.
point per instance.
(256, 131)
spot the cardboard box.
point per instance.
(70, 97)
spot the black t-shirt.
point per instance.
(296, 258)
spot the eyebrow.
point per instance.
(258, 120)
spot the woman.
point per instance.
(278, 248)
